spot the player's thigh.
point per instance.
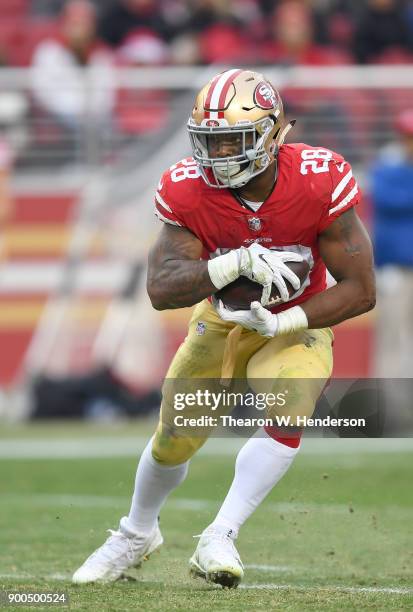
(194, 370)
(197, 364)
(294, 369)
(200, 354)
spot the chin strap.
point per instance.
(285, 131)
(282, 135)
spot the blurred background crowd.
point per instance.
(57, 38)
(289, 32)
(94, 96)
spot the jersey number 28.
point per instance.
(312, 159)
(187, 168)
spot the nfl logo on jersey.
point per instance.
(254, 224)
(200, 328)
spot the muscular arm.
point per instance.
(346, 250)
(176, 275)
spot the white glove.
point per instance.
(263, 321)
(260, 265)
(267, 267)
(257, 319)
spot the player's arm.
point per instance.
(177, 277)
(346, 250)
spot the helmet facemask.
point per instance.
(248, 147)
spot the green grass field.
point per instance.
(335, 534)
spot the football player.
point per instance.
(244, 204)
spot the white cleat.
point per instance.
(216, 559)
(116, 555)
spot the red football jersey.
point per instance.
(314, 187)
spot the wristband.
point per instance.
(291, 320)
(224, 269)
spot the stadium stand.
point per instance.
(338, 105)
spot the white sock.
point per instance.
(260, 464)
(153, 484)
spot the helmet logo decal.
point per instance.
(264, 96)
(217, 93)
(212, 123)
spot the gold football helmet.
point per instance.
(236, 127)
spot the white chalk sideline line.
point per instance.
(276, 569)
(328, 587)
(265, 586)
(184, 503)
(97, 501)
(24, 576)
(111, 446)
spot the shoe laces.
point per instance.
(217, 534)
(132, 543)
(221, 537)
(114, 547)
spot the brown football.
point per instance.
(239, 294)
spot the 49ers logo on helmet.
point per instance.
(212, 123)
(264, 96)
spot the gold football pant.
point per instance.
(298, 365)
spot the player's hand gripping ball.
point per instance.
(239, 294)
